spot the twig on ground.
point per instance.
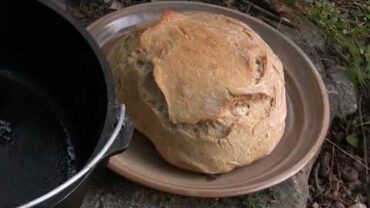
(316, 176)
(363, 124)
(349, 194)
(348, 154)
(249, 7)
(338, 167)
(337, 187)
(331, 167)
(280, 20)
(342, 56)
(365, 151)
(99, 204)
(81, 4)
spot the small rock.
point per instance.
(346, 91)
(116, 5)
(349, 173)
(355, 185)
(338, 204)
(314, 36)
(292, 193)
(358, 205)
(315, 205)
(334, 97)
(229, 3)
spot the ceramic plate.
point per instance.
(306, 124)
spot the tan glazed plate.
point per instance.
(306, 125)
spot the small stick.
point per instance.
(99, 204)
(284, 21)
(249, 7)
(338, 166)
(81, 3)
(316, 175)
(348, 154)
(331, 167)
(363, 124)
(365, 150)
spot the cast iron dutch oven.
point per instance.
(58, 113)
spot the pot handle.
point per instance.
(124, 136)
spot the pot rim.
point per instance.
(109, 117)
(90, 165)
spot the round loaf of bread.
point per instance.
(204, 88)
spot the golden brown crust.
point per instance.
(204, 88)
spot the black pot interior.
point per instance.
(53, 101)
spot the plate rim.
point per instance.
(113, 162)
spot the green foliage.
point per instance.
(349, 27)
(255, 202)
(352, 140)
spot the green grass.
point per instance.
(348, 26)
(251, 202)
